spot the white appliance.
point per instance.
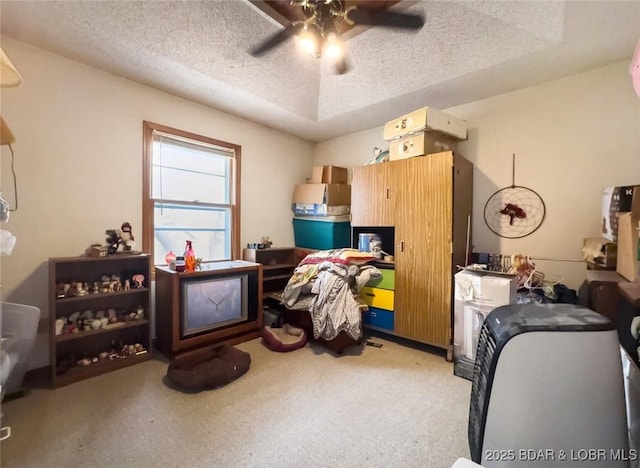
(548, 390)
(19, 329)
(631, 375)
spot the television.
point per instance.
(212, 303)
(221, 302)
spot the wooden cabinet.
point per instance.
(219, 303)
(372, 204)
(107, 286)
(278, 264)
(429, 201)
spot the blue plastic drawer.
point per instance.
(379, 318)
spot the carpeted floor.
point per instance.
(390, 406)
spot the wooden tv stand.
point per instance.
(169, 283)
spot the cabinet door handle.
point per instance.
(387, 194)
(370, 294)
(401, 246)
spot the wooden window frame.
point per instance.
(148, 202)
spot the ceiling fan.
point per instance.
(318, 31)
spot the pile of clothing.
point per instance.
(327, 284)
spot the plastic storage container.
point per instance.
(331, 232)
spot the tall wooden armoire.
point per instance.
(425, 203)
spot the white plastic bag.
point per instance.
(7, 242)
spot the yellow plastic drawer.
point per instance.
(376, 297)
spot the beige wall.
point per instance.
(571, 137)
(78, 161)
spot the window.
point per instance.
(191, 192)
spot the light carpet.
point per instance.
(389, 406)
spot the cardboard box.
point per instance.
(420, 144)
(426, 119)
(322, 194)
(599, 251)
(321, 199)
(473, 315)
(485, 287)
(628, 264)
(329, 175)
(477, 294)
(617, 200)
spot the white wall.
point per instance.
(571, 137)
(78, 159)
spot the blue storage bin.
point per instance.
(379, 318)
(322, 233)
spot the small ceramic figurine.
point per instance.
(74, 317)
(60, 323)
(138, 279)
(113, 240)
(126, 235)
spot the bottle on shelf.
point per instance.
(170, 258)
(189, 258)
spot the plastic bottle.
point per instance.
(189, 258)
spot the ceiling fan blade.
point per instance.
(275, 39)
(390, 19)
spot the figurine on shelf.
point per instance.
(266, 242)
(138, 279)
(126, 234)
(113, 240)
(60, 323)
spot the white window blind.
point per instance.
(193, 192)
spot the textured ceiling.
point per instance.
(468, 50)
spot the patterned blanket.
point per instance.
(328, 290)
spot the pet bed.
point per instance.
(338, 344)
(287, 338)
(211, 368)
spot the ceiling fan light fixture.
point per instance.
(333, 47)
(310, 41)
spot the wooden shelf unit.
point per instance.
(67, 349)
(278, 264)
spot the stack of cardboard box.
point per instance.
(424, 131)
(321, 209)
(628, 231)
(619, 246)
